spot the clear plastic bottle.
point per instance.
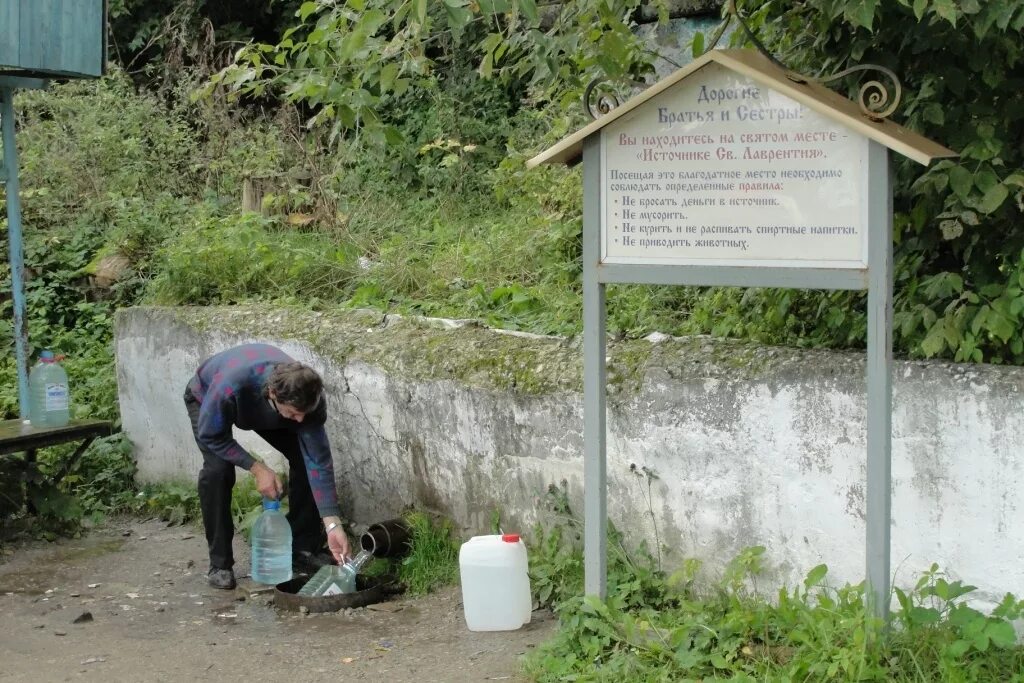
(334, 580)
(271, 545)
(49, 397)
(348, 571)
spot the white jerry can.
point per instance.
(495, 583)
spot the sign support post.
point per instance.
(878, 495)
(595, 486)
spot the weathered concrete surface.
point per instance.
(750, 445)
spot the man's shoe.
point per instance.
(221, 578)
(305, 562)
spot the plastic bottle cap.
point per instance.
(46, 356)
(271, 504)
(510, 538)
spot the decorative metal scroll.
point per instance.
(601, 95)
(873, 96)
(606, 99)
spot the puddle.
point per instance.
(47, 565)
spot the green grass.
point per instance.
(433, 559)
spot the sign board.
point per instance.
(734, 171)
(721, 170)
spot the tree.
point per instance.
(959, 231)
(349, 61)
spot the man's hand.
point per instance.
(267, 482)
(337, 541)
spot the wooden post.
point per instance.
(252, 195)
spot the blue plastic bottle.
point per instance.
(49, 397)
(271, 545)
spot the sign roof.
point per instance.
(759, 68)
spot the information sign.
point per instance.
(722, 171)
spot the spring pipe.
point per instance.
(389, 538)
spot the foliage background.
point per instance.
(390, 138)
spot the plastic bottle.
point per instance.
(49, 397)
(271, 545)
(495, 583)
(334, 580)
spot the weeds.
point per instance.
(178, 502)
(654, 627)
(173, 502)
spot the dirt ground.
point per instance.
(129, 602)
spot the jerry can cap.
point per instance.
(510, 538)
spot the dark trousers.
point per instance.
(217, 477)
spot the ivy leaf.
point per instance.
(919, 7)
(387, 76)
(393, 136)
(947, 10)
(993, 199)
(861, 13)
(401, 85)
(1005, 14)
(985, 179)
(958, 648)
(458, 17)
(961, 181)
(306, 9)
(815, 576)
(951, 332)
(529, 10)
(698, 44)
(1001, 327)
(969, 217)
(486, 67)
(934, 113)
(951, 229)
(934, 341)
(1002, 634)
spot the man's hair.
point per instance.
(296, 385)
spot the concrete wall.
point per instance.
(750, 445)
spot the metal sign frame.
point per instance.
(868, 118)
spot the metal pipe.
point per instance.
(390, 538)
(15, 245)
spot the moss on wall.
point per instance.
(474, 355)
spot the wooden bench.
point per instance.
(18, 437)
